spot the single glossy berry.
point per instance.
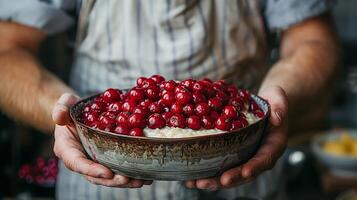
(183, 97)
(157, 78)
(122, 129)
(156, 107)
(148, 82)
(194, 122)
(136, 94)
(238, 124)
(169, 85)
(198, 87)
(176, 108)
(208, 122)
(230, 112)
(115, 107)
(137, 120)
(202, 109)
(188, 109)
(215, 103)
(152, 92)
(188, 83)
(140, 81)
(156, 121)
(136, 132)
(128, 106)
(223, 123)
(177, 120)
(198, 97)
(168, 99)
(111, 95)
(123, 118)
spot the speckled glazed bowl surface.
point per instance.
(170, 158)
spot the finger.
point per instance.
(278, 101)
(116, 181)
(136, 183)
(231, 177)
(60, 112)
(190, 184)
(208, 184)
(272, 148)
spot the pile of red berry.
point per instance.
(155, 103)
(43, 172)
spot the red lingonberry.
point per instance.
(188, 83)
(230, 112)
(115, 107)
(152, 92)
(140, 81)
(223, 123)
(177, 120)
(188, 109)
(136, 94)
(208, 122)
(111, 95)
(168, 99)
(183, 97)
(194, 122)
(198, 87)
(157, 78)
(156, 121)
(215, 103)
(136, 132)
(169, 85)
(202, 109)
(128, 106)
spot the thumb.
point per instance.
(278, 101)
(60, 112)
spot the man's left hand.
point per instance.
(273, 146)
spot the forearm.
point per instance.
(307, 67)
(28, 91)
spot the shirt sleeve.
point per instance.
(281, 14)
(38, 14)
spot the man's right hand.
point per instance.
(68, 148)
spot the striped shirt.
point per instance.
(120, 40)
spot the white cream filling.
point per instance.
(169, 132)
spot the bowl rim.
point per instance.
(318, 140)
(168, 140)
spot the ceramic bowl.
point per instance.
(170, 158)
(339, 165)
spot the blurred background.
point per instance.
(310, 174)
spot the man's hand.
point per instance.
(68, 148)
(273, 145)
